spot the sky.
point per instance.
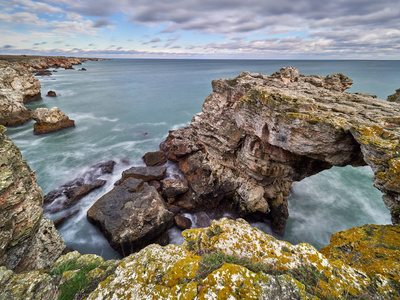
(220, 29)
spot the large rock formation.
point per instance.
(17, 86)
(50, 119)
(228, 260)
(28, 239)
(257, 134)
(131, 216)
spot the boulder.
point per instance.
(174, 187)
(51, 94)
(28, 239)
(72, 191)
(131, 216)
(144, 173)
(43, 73)
(82, 69)
(257, 134)
(155, 158)
(394, 97)
(50, 119)
(182, 222)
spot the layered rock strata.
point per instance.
(228, 260)
(28, 239)
(17, 86)
(258, 134)
(50, 119)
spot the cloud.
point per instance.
(7, 47)
(42, 43)
(154, 40)
(101, 23)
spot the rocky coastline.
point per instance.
(255, 136)
(19, 85)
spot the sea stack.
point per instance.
(50, 119)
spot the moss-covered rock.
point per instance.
(374, 249)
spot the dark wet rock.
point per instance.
(182, 222)
(394, 97)
(156, 184)
(51, 94)
(69, 193)
(174, 187)
(43, 73)
(202, 219)
(58, 222)
(50, 119)
(144, 173)
(131, 216)
(82, 69)
(154, 158)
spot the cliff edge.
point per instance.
(28, 239)
(257, 134)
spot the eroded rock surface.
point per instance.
(17, 86)
(50, 119)
(28, 239)
(131, 216)
(258, 134)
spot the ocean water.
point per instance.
(125, 108)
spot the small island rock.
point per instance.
(50, 119)
(51, 94)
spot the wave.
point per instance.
(91, 117)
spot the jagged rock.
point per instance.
(50, 119)
(58, 222)
(228, 260)
(131, 216)
(144, 173)
(71, 192)
(374, 249)
(394, 97)
(51, 94)
(27, 238)
(257, 134)
(174, 187)
(156, 184)
(154, 158)
(17, 86)
(182, 222)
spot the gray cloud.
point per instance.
(152, 41)
(7, 47)
(101, 23)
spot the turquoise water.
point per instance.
(125, 108)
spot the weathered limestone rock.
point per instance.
(71, 192)
(131, 216)
(144, 173)
(155, 158)
(17, 86)
(394, 97)
(27, 239)
(257, 134)
(174, 187)
(50, 119)
(374, 249)
(228, 260)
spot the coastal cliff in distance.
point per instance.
(18, 85)
(257, 134)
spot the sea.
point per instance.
(124, 108)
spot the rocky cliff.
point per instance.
(228, 260)
(18, 85)
(28, 239)
(257, 134)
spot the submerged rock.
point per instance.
(131, 216)
(258, 134)
(71, 192)
(28, 239)
(50, 119)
